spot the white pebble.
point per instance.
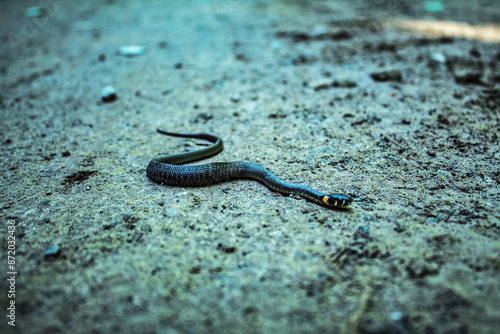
(130, 51)
(108, 94)
(438, 57)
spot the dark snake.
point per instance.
(168, 169)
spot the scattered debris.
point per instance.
(195, 270)
(108, 94)
(226, 248)
(340, 83)
(363, 232)
(204, 117)
(280, 114)
(301, 59)
(371, 119)
(109, 225)
(130, 222)
(299, 36)
(469, 78)
(384, 76)
(78, 177)
(241, 57)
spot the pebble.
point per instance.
(344, 83)
(108, 94)
(468, 78)
(52, 251)
(391, 75)
(131, 51)
(35, 11)
(438, 57)
(396, 316)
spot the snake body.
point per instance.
(169, 169)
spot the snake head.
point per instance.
(337, 200)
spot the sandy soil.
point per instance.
(378, 99)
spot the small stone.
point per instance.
(391, 75)
(469, 78)
(438, 57)
(178, 66)
(226, 248)
(320, 84)
(396, 316)
(66, 153)
(35, 11)
(344, 83)
(52, 251)
(235, 99)
(195, 270)
(241, 57)
(322, 87)
(108, 94)
(102, 58)
(131, 51)
(433, 6)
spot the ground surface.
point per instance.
(289, 85)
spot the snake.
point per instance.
(170, 170)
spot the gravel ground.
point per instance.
(382, 100)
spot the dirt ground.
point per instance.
(390, 102)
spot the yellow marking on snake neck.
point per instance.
(325, 199)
